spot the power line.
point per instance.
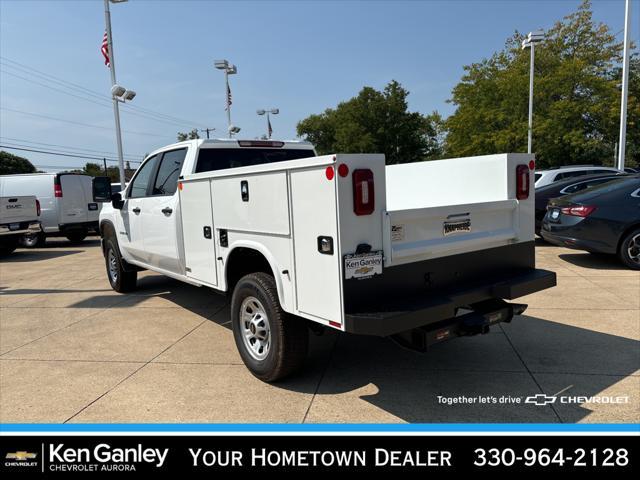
(67, 148)
(78, 123)
(65, 83)
(63, 154)
(97, 102)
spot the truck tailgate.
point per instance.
(448, 230)
(17, 209)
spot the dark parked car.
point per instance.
(602, 219)
(565, 187)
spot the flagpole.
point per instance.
(116, 107)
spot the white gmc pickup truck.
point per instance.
(19, 216)
(421, 252)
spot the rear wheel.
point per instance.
(76, 236)
(121, 281)
(272, 343)
(33, 241)
(630, 249)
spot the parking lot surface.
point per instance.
(72, 350)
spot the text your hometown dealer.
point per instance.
(103, 453)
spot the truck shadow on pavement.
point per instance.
(36, 255)
(484, 378)
(594, 261)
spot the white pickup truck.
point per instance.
(422, 252)
(19, 216)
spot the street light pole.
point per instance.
(273, 111)
(625, 87)
(226, 81)
(229, 69)
(116, 108)
(530, 125)
(529, 42)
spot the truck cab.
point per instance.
(419, 252)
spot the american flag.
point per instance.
(105, 49)
(269, 129)
(229, 102)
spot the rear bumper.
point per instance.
(25, 228)
(569, 241)
(436, 308)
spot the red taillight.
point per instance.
(364, 198)
(522, 182)
(57, 190)
(38, 207)
(578, 210)
(329, 173)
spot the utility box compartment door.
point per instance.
(256, 203)
(318, 285)
(197, 231)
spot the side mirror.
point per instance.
(101, 187)
(116, 201)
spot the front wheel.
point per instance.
(272, 343)
(121, 280)
(76, 236)
(630, 250)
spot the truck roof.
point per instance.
(236, 143)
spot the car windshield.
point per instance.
(210, 159)
(538, 176)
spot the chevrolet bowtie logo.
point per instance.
(540, 399)
(21, 456)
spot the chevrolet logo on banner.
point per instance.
(21, 456)
(541, 399)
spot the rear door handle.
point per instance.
(167, 211)
(136, 210)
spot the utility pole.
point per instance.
(207, 130)
(625, 87)
(116, 109)
(106, 172)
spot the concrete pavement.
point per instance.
(72, 350)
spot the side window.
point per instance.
(572, 188)
(167, 179)
(140, 184)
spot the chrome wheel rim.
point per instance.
(633, 250)
(112, 262)
(255, 328)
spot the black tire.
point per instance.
(121, 281)
(33, 241)
(76, 236)
(288, 336)
(630, 249)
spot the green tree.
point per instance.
(11, 164)
(376, 121)
(192, 135)
(576, 97)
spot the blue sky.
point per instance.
(299, 56)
